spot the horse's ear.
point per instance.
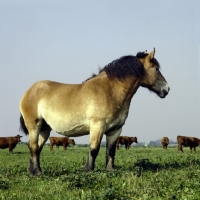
(151, 55)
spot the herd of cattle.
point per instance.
(192, 142)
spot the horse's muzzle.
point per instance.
(164, 93)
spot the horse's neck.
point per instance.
(124, 90)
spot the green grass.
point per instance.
(141, 173)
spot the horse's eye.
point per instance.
(157, 69)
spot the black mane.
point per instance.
(125, 67)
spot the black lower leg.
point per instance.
(90, 164)
(34, 167)
(110, 156)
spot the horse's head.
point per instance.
(153, 79)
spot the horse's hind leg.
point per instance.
(37, 137)
(34, 167)
(96, 134)
(43, 137)
(111, 139)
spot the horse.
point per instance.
(97, 106)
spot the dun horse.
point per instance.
(98, 106)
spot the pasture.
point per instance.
(141, 173)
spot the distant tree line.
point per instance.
(158, 143)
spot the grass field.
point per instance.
(141, 173)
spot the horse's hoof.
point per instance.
(110, 169)
(87, 169)
(34, 172)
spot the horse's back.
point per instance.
(46, 95)
(47, 89)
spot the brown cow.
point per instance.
(191, 142)
(70, 141)
(60, 141)
(9, 142)
(165, 142)
(125, 140)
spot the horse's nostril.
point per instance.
(165, 92)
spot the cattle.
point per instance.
(9, 142)
(70, 141)
(125, 140)
(165, 142)
(60, 141)
(191, 142)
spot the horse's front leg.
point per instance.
(111, 139)
(96, 133)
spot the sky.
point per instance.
(67, 41)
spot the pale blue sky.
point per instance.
(67, 41)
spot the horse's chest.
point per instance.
(122, 117)
(118, 119)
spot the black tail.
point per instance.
(22, 125)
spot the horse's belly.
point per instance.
(66, 123)
(72, 131)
